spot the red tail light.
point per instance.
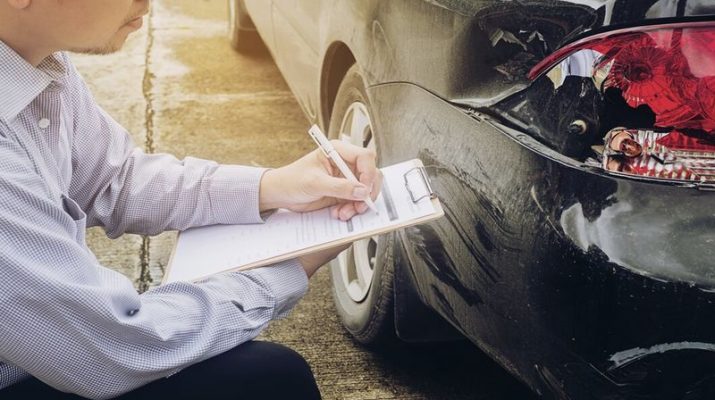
(671, 70)
(665, 155)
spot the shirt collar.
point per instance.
(21, 83)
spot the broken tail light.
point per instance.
(668, 69)
(665, 155)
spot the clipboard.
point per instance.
(406, 199)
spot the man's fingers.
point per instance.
(366, 168)
(342, 188)
(375, 184)
(362, 162)
(349, 152)
(346, 211)
(361, 207)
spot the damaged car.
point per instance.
(572, 145)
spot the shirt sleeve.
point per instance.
(82, 328)
(125, 190)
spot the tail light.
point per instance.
(665, 155)
(668, 70)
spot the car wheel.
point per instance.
(362, 275)
(241, 31)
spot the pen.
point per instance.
(327, 148)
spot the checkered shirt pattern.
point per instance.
(64, 318)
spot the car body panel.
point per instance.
(476, 52)
(533, 269)
(296, 27)
(583, 284)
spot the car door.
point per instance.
(297, 36)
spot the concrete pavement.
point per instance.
(178, 87)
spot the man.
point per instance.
(71, 328)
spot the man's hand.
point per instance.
(312, 183)
(313, 261)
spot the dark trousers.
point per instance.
(253, 370)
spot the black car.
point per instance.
(572, 145)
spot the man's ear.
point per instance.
(19, 4)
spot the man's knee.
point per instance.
(279, 359)
(253, 370)
(282, 370)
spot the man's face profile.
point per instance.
(84, 26)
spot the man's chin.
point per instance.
(112, 46)
(109, 49)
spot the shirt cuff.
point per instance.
(234, 194)
(288, 282)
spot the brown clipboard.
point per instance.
(418, 186)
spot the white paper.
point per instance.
(201, 252)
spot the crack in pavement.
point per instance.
(145, 279)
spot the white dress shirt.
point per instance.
(66, 319)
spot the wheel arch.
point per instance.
(336, 63)
(411, 320)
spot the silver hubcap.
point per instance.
(357, 263)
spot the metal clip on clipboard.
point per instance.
(426, 188)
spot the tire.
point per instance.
(365, 307)
(241, 31)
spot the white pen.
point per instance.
(327, 148)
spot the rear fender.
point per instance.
(414, 321)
